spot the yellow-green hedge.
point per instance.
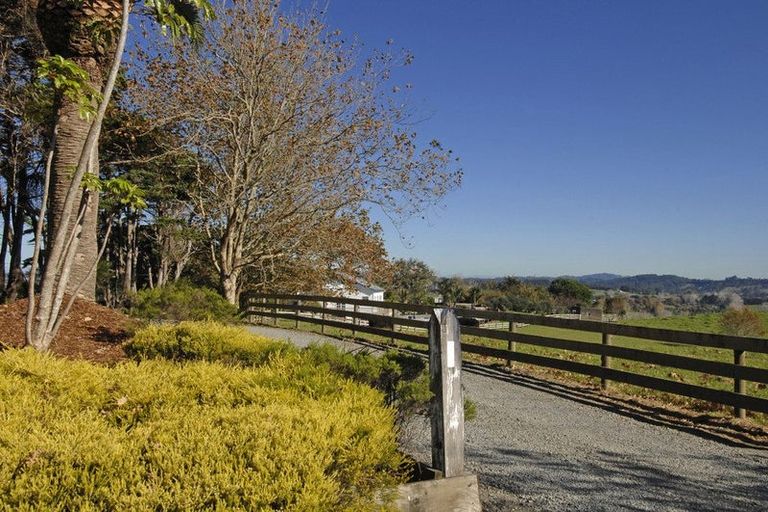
(163, 435)
(206, 341)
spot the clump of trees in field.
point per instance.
(412, 281)
(742, 322)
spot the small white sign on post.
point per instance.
(450, 356)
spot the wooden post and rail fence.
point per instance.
(389, 319)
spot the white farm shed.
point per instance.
(357, 291)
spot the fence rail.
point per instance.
(401, 317)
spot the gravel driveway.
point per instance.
(538, 446)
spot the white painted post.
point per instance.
(445, 382)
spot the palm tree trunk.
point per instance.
(73, 130)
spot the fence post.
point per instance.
(296, 321)
(605, 361)
(322, 325)
(274, 312)
(511, 345)
(738, 384)
(445, 382)
(392, 327)
(354, 320)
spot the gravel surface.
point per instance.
(535, 447)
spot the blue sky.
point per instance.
(595, 136)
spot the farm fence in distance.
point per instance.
(387, 319)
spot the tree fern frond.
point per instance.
(181, 17)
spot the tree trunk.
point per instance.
(45, 317)
(150, 276)
(181, 263)
(163, 256)
(69, 145)
(16, 275)
(129, 276)
(230, 285)
(6, 235)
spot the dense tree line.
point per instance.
(413, 282)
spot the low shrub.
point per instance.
(203, 341)
(160, 435)
(470, 409)
(181, 301)
(401, 377)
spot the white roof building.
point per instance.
(357, 291)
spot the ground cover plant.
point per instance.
(191, 432)
(402, 378)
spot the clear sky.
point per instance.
(595, 136)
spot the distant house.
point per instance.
(364, 292)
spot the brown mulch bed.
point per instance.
(91, 332)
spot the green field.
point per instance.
(697, 323)
(708, 322)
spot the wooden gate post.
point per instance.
(322, 325)
(445, 382)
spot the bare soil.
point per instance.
(91, 332)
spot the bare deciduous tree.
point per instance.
(290, 132)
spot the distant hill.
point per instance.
(598, 278)
(747, 287)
